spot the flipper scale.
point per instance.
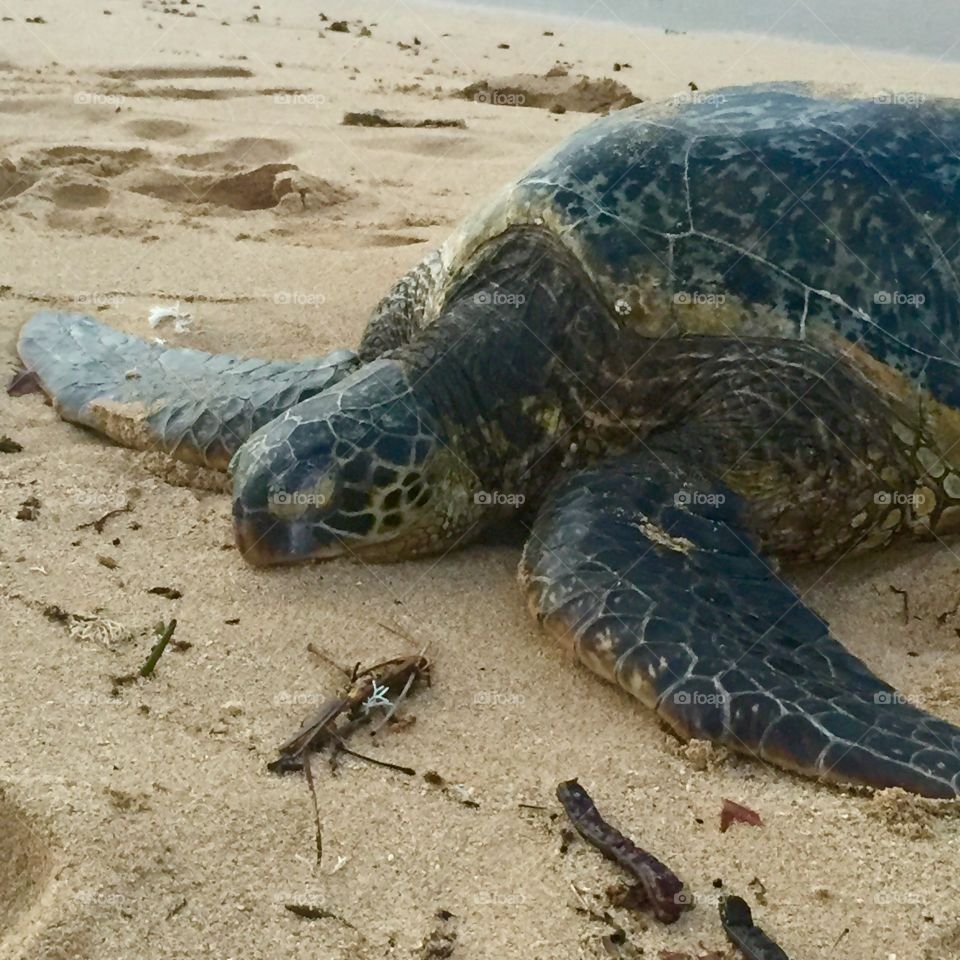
(194, 406)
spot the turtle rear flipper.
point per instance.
(651, 574)
(197, 407)
(407, 307)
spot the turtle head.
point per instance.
(359, 469)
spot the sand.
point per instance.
(144, 824)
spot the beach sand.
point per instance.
(144, 823)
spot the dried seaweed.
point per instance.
(163, 632)
(383, 684)
(662, 888)
(744, 934)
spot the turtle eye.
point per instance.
(324, 490)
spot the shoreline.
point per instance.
(951, 52)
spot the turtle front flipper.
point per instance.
(197, 407)
(650, 572)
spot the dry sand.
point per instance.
(145, 824)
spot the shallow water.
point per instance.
(925, 27)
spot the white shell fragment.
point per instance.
(181, 318)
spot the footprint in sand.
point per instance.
(555, 91)
(13, 181)
(58, 190)
(168, 92)
(945, 944)
(79, 196)
(26, 865)
(433, 144)
(71, 177)
(97, 161)
(393, 240)
(266, 186)
(243, 173)
(159, 129)
(237, 153)
(175, 73)
(24, 105)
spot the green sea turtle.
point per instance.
(698, 337)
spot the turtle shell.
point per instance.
(770, 210)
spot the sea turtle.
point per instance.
(699, 337)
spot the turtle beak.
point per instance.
(264, 542)
(254, 547)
